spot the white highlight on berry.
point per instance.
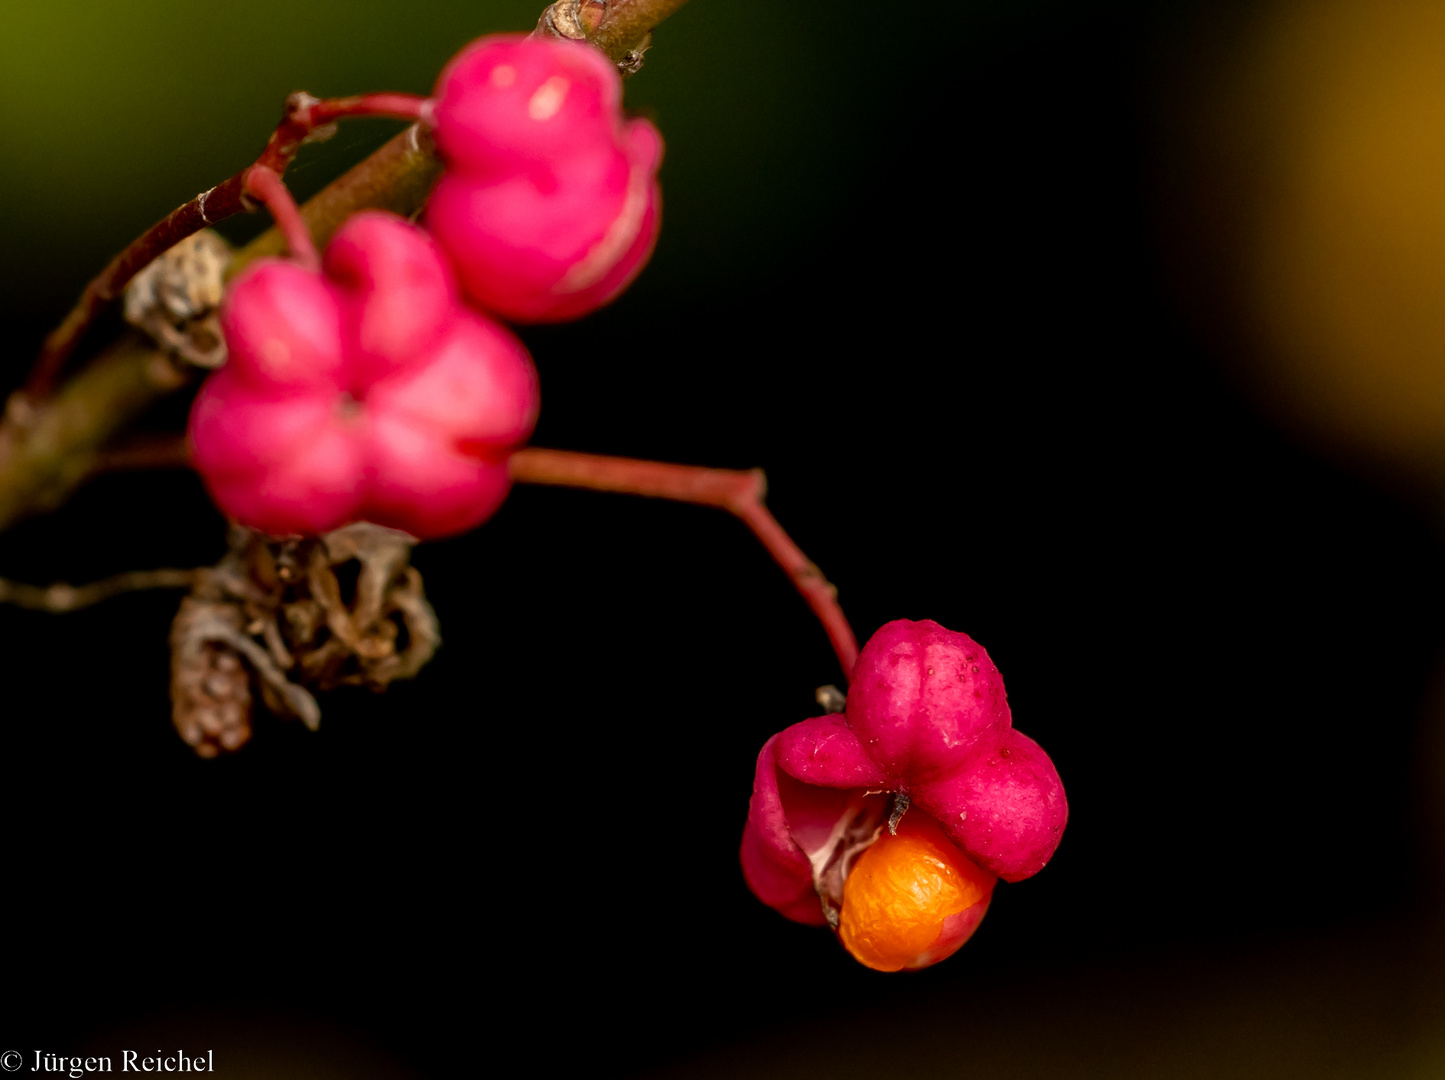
(548, 98)
(504, 75)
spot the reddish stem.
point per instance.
(303, 116)
(270, 189)
(143, 452)
(738, 492)
(395, 106)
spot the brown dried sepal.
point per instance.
(387, 631)
(566, 19)
(280, 611)
(210, 687)
(175, 299)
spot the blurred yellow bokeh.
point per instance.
(1322, 131)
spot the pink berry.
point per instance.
(927, 720)
(508, 101)
(550, 203)
(364, 392)
(442, 431)
(284, 330)
(399, 295)
(283, 462)
(1007, 810)
(922, 697)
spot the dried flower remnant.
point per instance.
(175, 299)
(210, 686)
(274, 619)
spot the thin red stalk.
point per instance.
(741, 493)
(207, 208)
(143, 452)
(304, 115)
(396, 106)
(271, 191)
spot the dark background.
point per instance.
(911, 266)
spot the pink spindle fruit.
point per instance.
(367, 391)
(928, 729)
(549, 206)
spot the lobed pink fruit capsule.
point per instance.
(549, 206)
(928, 728)
(366, 391)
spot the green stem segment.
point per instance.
(397, 177)
(45, 454)
(626, 24)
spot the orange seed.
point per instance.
(911, 899)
